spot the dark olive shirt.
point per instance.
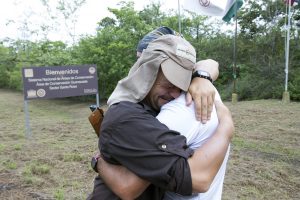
(131, 136)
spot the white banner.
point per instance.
(209, 7)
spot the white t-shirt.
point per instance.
(179, 117)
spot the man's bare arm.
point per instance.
(203, 91)
(124, 183)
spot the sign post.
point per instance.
(58, 82)
(27, 124)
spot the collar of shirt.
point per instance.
(149, 109)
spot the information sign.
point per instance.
(59, 81)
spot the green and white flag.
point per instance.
(221, 8)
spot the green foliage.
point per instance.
(4, 74)
(294, 86)
(6, 63)
(25, 53)
(261, 50)
(15, 80)
(114, 47)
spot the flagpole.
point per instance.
(234, 51)
(234, 93)
(288, 47)
(179, 18)
(286, 96)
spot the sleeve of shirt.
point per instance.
(138, 141)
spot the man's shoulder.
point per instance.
(120, 112)
(125, 106)
(126, 109)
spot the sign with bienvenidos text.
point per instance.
(59, 81)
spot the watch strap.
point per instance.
(202, 74)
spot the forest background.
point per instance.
(260, 47)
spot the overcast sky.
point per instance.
(14, 14)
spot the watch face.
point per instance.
(203, 73)
(94, 163)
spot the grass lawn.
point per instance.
(54, 163)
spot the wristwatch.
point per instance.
(94, 162)
(202, 74)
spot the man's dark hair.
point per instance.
(163, 30)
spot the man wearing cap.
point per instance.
(132, 137)
(204, 91)
(176, 115)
